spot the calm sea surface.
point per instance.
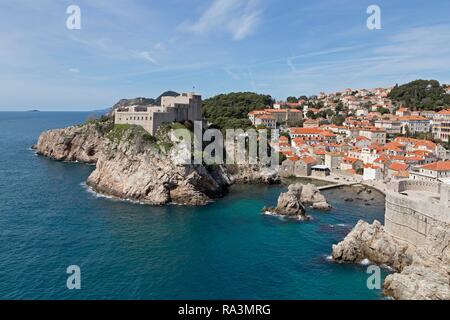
(226, 250)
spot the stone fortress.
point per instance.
(185, 107)
(415, 208)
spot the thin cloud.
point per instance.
(240, 18)
(147, 56)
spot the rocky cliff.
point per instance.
(134, 167)
(76, 143)
(420, 273)
(131, 164)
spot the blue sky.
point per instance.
(131, 48)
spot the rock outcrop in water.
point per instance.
(289, 204)
(370, 241)
(292, 203)
(131, 164)
(421, 273)
(311, 196)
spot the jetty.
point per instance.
(337, 185)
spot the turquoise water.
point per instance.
(226, 250)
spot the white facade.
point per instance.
(372, 173)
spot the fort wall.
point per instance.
(414, 209)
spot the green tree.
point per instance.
(421, 95)
(382, 110)
(231, 110)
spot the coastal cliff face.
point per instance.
(252, 174)
(134, 168)
(77, 143)
(131, 164)
(421, 273)
(428, 276)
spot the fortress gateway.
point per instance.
(186, 106)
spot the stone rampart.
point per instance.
(412, 217)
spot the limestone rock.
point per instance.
(370, 241)
(428, 276)
(289, 204)
(311, 196)
(76, 143)
(252, 174)
(131, 166)
(420, 273)
(137, 170)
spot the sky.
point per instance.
(134, 48)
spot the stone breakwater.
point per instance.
(131, 166)
(415, 241)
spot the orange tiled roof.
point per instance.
(319, 152)
(371, 166)
(437, 166)
(349, 160)
(413, 118)
(309, 159)
(445, 112)
(398, 166)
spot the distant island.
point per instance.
(33, 110)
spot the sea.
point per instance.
(50, 221)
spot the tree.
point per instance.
(292, 99)
(310, 114)
(231, 110)
(338, 120)
(382, 110)
(421, 95)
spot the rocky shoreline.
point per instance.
(419, 273)
(133, 166)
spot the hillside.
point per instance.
(421, 95)
(230, 110)
(141, 101)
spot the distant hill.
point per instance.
(166, 94)
(230, 110)
(140, 101)
(421, 95)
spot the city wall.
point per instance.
(414, 217)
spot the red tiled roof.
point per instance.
(319, 152)
(309, 160)
(349, 160)
(437, 166)
(371, 166)
(398, 166)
